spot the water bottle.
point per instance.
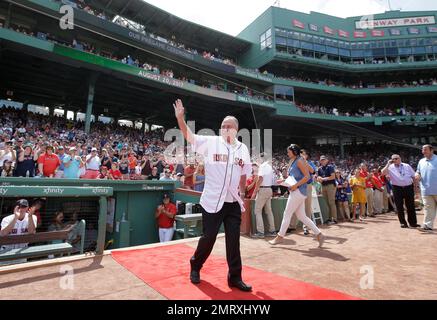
(189, 208)
(27, 174)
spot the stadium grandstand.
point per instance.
(355, 90)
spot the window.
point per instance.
(344, 53)
(266, 39)
(332, 50)
(281, 41)
(281, 32)
(391, 52)
(404, 51)
(320, 48)
(293, 43)
(378, 52)
(357, 53)
(306, 45)
(419, 50)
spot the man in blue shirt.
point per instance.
(326, 176)
(72, 163)
(427, 175)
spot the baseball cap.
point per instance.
(166, 196)
(72, 149)
(323, 158)
(21, 140)
(22, 203)
(94, 149)
(179, 174)
(60, 148)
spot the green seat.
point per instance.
(36, 251)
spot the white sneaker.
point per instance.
(277, 240)
(321, 238)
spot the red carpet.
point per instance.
(167, 269)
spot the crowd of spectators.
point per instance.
(36, 145)
(227, 87)
(149, 67)
(216, 56)
(364, 85)
(367, 112)
(213, 56)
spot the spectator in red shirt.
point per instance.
(378, 191)
(48, 163)
(369, 189)
(189, 176)
(104, 174)
(251, 182)
(132, 163)
(36, 208)
(165, 214)
(114, 173)
(385, 195)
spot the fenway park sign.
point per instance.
(399, 22)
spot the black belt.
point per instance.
(265, 187)
(404, 186)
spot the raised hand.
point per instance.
(179, 109)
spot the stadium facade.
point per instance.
(279, 62)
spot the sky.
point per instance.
(232, 16)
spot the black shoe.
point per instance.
(290, 230)
(404, 226)
(426, 228)
(306, 232)
(415, 226)
(240, 285)
(195, 277)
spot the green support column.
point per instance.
(143, 127)
(90, 102)
(103, 204)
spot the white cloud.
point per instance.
(232, 16)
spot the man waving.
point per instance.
(227, 164)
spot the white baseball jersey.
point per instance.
(224, 166)
(266, 171)
(21, 227)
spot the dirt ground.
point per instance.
(401, 262)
